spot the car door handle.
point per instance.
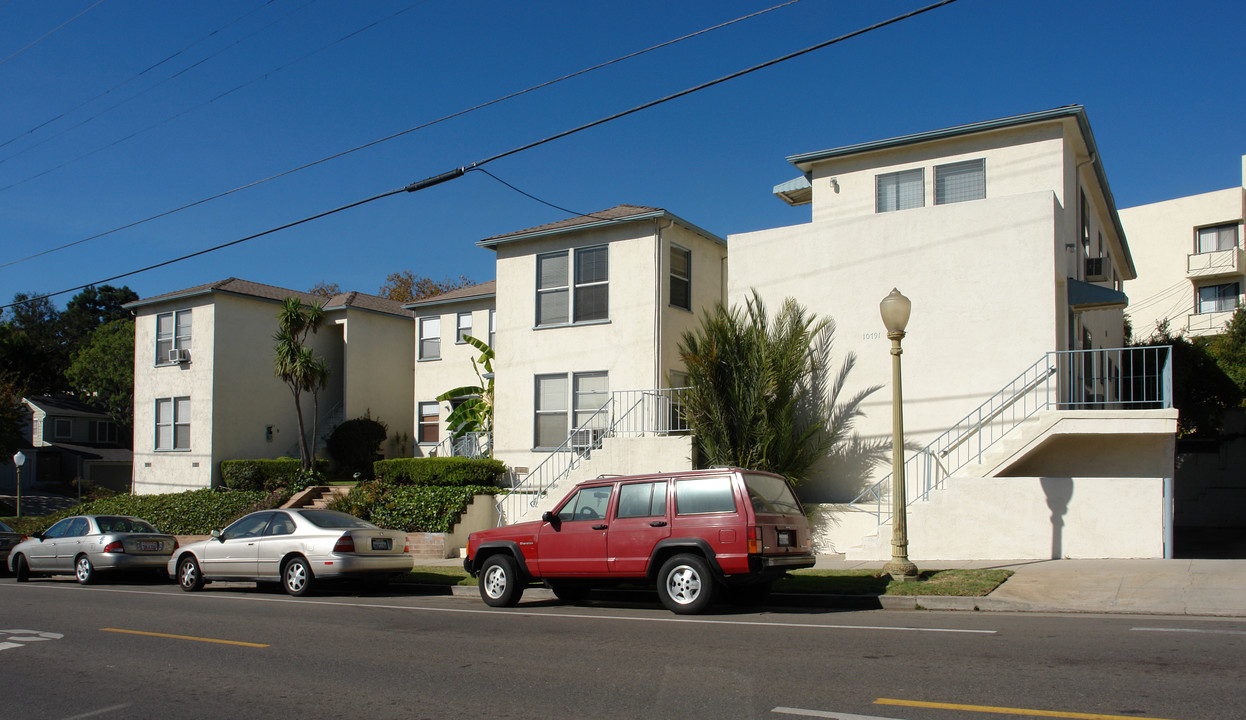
(600, 527)
(658, 523)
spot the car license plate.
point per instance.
(381, 543)
(785, 538)
(148, 546)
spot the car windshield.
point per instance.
(334, 520)
(771, 494)
(115, 524)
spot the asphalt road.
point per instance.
(133, 650)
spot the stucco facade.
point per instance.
(996, 280)
(218, 397)
(1190, 259)
(631, 344)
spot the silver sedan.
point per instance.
(295, 547)
(86, 545)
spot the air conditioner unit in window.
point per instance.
(179, 355)
(1097, 269)
(585, 440)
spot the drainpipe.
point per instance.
(1169, 511)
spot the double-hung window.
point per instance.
(900, 190)
(172, 337)
(573, 286)
(430, 338)
(173, 423)
(564, 403)
(493, 328)
(1218, 298)
(429, 424)
(681, 278)
(1221, 237)
(62, 428)
(104, 432)
(960, 181)
(464, 327)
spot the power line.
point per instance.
(134, 77)
(396, 135)
(39, 39)
(462, 170)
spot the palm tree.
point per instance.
(761, 396)
(299, 367)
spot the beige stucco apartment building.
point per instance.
(205, 389)
(1189, 256)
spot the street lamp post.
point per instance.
(18, 461)
(895, 311)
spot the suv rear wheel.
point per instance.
(685, 584)
(500, 585)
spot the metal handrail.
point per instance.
(1117, 378)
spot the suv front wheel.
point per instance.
(500, 585)
(685, 584)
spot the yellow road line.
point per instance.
(184, 637)
(1008, 711)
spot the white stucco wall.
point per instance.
(1163, 236)
(377, 376)
(982, 277)
(454, 366)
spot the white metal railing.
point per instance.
(1214, 262)
(1137, 378)
(470, 445)
(627, 413)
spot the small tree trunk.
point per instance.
(298, 411)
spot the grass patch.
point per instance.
(961, 583)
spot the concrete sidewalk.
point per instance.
(1141, 587)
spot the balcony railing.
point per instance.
(1208, 323)
(1216, 262)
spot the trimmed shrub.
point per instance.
(356, 444)
(411, 508)
(265, 474)
(441, 471)
(194, 512)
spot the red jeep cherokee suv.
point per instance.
(690, 533)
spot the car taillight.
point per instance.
(754, 540)
(114, 547)
(345, 544)
(406, 548)
(176, 545)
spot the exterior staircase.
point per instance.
(317, 497)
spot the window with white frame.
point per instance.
(573, 286)
(960, 181)
(1218, 298)
(429, 429)
(62, 428)
(173, 423)
(555, 406)
(681, 278)
(173, 337)
(430, 338)
(1220, 237)
(900, 190)
(464, 327)
(493, 328)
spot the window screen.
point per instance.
(900, 190)
(960, 181)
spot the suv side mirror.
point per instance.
(549, 517)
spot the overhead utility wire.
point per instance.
(460, 171)
(393, 136)
(137, 95)
(132, 78)
(37, 40)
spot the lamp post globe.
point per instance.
(19, 459)
(895, 309)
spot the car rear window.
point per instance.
(123, 525)
(704, 495)
(771, 494)
(333, 520)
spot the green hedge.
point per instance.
(194, 512)
(409, 508)
(441, 471)
(264, 474)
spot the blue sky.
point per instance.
(1161, 82)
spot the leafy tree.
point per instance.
(406, 286)
(326, 290)
(103, 369)
(12, 414)
(91, 308)
(299, 367)
(1229, 350)
(1200, 388)
(761, 395)
(475, 413)
(32, 345)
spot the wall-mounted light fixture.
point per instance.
(835, 185)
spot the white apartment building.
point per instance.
(1189, 256)
(205, 388)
